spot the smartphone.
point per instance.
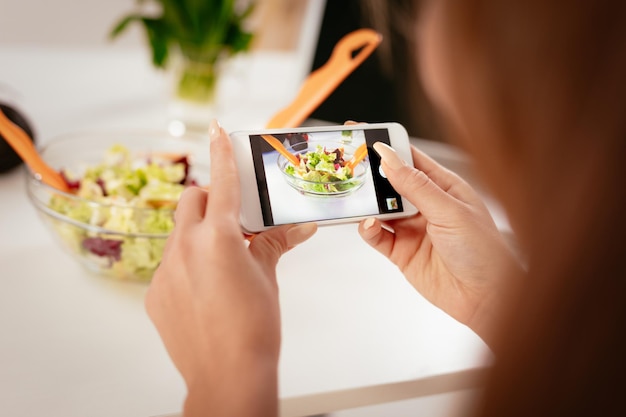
(327, 175)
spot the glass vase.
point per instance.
(194, 96)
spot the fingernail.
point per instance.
(368, 223)
(214, 130)
(389, 156)
(300, 233)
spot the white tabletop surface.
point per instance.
(73, 344)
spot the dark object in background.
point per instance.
(385, 87)
(8, 158)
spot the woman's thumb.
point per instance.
(413, 184)
(299, 233)
(270, 245)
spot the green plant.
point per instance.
(204, 31)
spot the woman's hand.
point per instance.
(214, 298)
(451, 251)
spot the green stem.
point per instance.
(197, 82)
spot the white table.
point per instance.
(75, 345)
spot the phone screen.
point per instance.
(326, 183)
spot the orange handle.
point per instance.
(347, 55)
(359, 155)
(25, 148)
(276, 144)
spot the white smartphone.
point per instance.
(327, 175)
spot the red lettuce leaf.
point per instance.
(104, 247)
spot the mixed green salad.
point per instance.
(133, 196)
(323, 170)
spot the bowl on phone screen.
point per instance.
(124, 189)
(322, 171)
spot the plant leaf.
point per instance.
(158, 36)
(239, 41)
(122, 24)
(196, 10)
(176, 17)
(202, 28)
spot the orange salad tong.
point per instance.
(359, 155)
(348, 54)
(276, 144)
(24, 147)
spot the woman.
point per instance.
(534, 90)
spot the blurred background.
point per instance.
(384, 88)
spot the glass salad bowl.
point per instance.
(124, 190)
(323, 171)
